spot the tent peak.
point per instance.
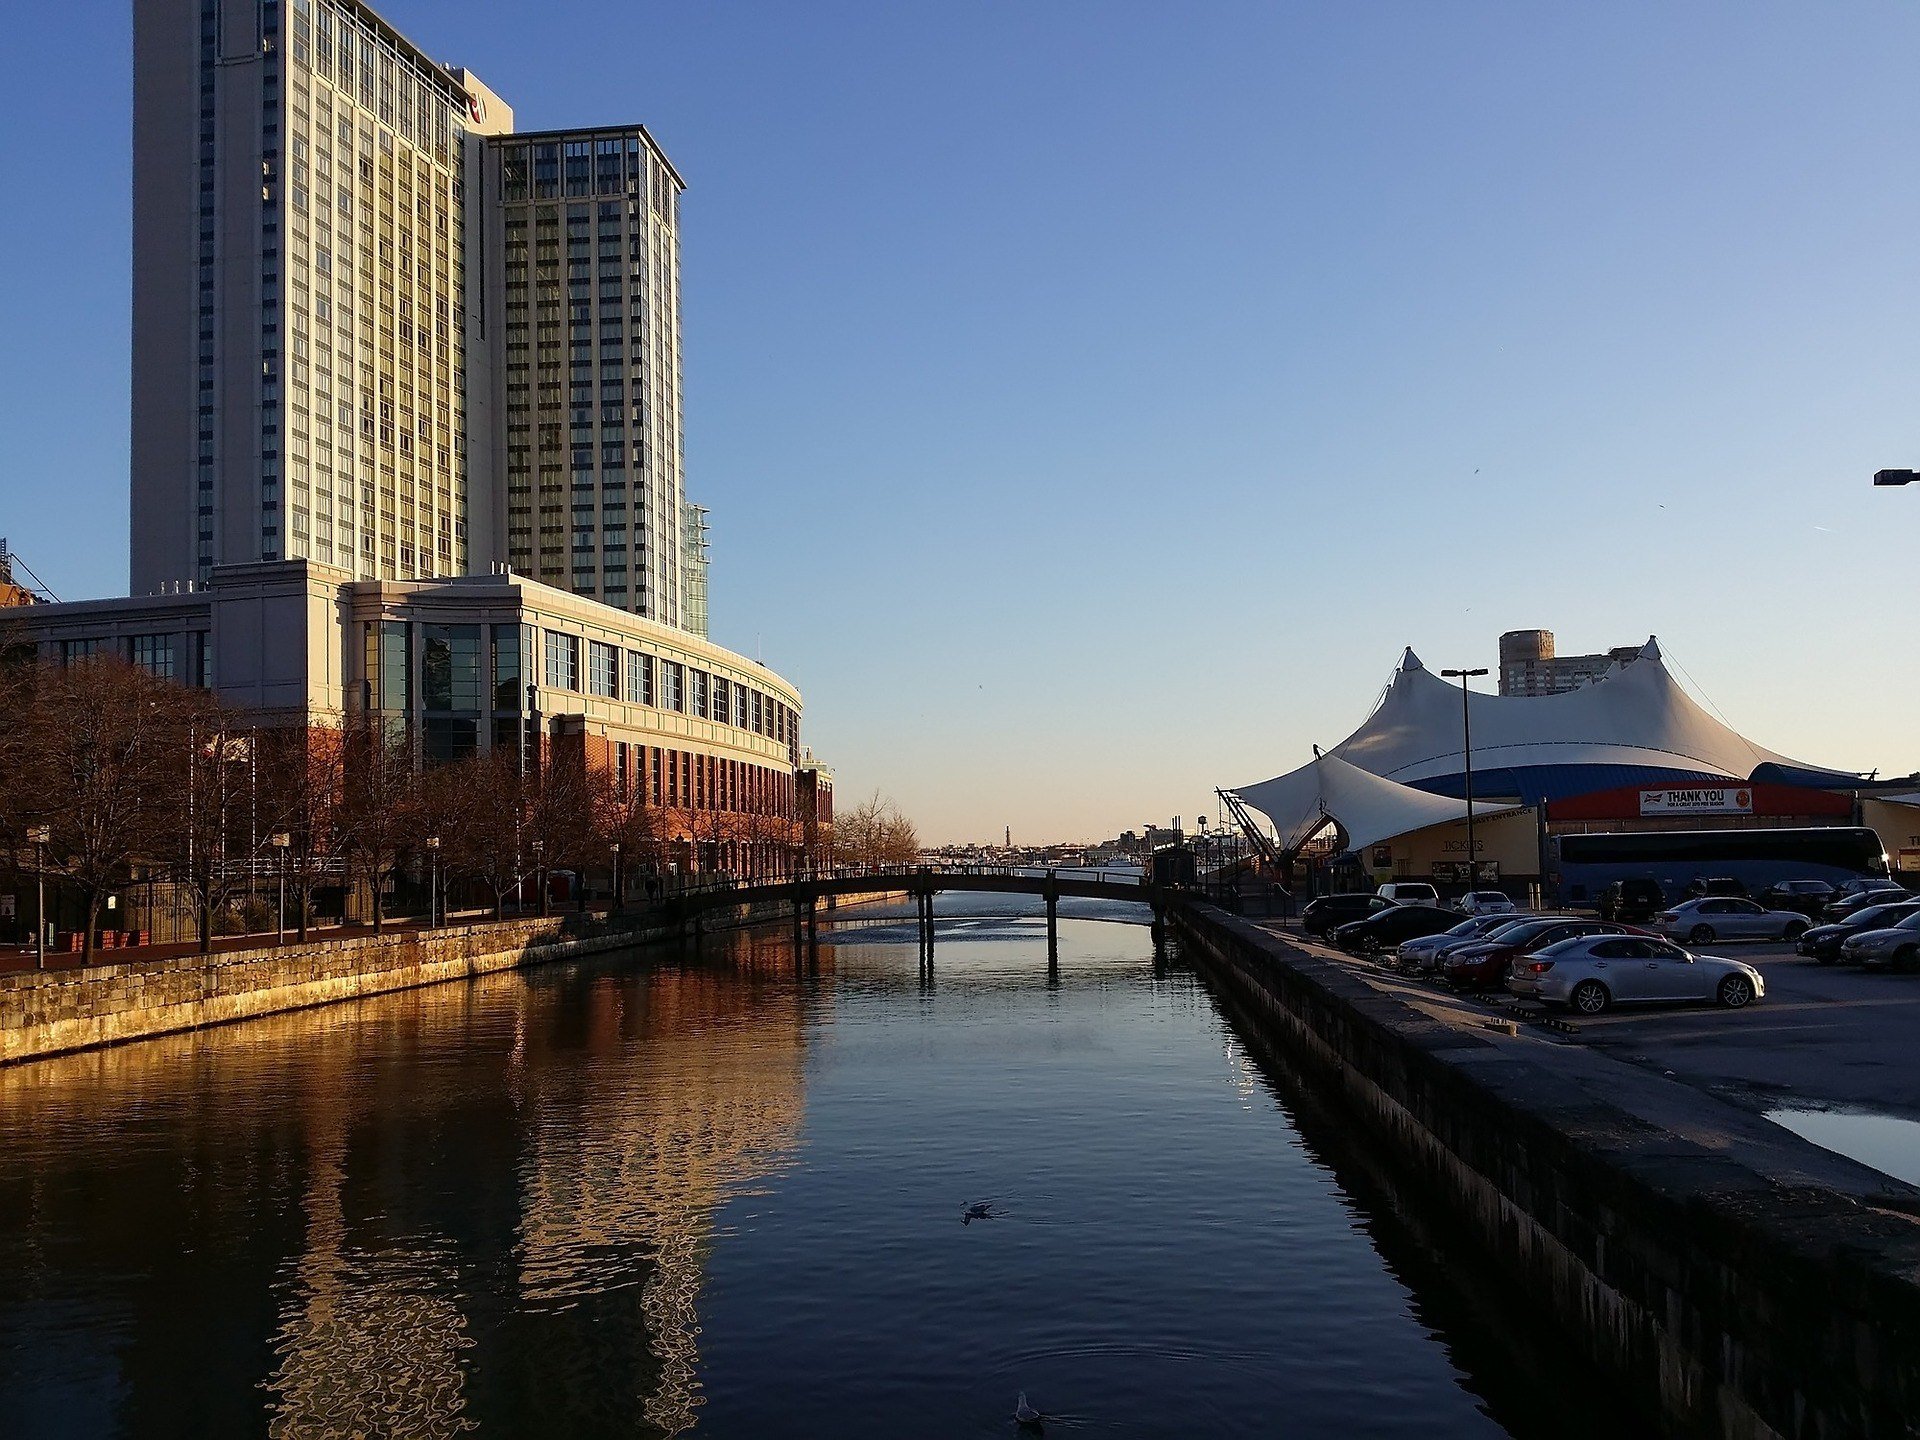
(1411, 661)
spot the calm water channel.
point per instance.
(722, 1196)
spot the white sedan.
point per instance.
(1724, 917)
(1487, 902)
(1590, 972)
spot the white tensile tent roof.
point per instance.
(1367, 808)
(1636, 716)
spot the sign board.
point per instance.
(1907, 859)
(1449, 872)
(1383, 857)
(1708, 800)
(7, 910)
(1489, 873)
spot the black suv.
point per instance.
(1323, 916)
(1640, 898)
(1809, 897)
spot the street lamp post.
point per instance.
(1894, 477)
(617, 905)
(1466, 743)
(540, 871)
(280, 840)
(40, 835)
(433, 882)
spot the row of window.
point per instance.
(638, 678)
(455, 676)
(184, 657)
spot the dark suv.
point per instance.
(1640, 898)
(1809, 897)
(1323, 916)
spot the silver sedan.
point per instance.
(1723, 917)
(1590, 972)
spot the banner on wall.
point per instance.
(1705, 800)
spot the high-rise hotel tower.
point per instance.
(374, 328)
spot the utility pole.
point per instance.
(40, 835)
(1466, 741)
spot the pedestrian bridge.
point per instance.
(805, 892)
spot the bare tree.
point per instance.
(478, 807)
(93, 751)
(874, 832)
(377, 819)
(207, 840)
(303, 779)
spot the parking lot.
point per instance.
(1824, 1035)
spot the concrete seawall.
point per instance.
(55, 1011)
(1736, 1281)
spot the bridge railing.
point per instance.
(728, 884)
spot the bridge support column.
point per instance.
(1053, 927)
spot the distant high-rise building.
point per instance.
(375, 328)
(1528, 665)
(587, 315)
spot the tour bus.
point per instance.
(1581, 866)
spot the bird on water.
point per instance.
(1028, 1417)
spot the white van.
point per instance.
(1408, 892)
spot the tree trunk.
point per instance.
(86, 940)
(203, 919)
(373, 897)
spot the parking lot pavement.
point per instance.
(1824, 1035)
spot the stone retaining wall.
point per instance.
(1726, 1300)
(50, 1012)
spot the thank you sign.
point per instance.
(1698, 800)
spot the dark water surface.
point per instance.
(725, 1196)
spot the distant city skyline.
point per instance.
(1095, 400)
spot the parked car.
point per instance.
(1422, 949)
(1865, 883)
(1893, 947)
(1487, 902)
(1823, 942)
(1386, 929)
(1409, 892)
(1724, 917)
(1809, 897)
(1323, 916)
(1590, 972)
(1713, 885)
(1638, 897)
(1490, 961)
(1856, 895)
(1500, 926)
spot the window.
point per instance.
(603, 669)
(72, 652)
(723, 699)
(674, 675)
(153, 654)
(639, 678)
(697, 686)
(509, 669)
(389, 665)
(450, 667)
(563, 661)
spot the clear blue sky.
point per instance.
(1094, 397)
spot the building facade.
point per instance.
(708, 738)
(586, 312)
(375, 328)
(1529, 666)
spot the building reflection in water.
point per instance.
(484, 1207)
